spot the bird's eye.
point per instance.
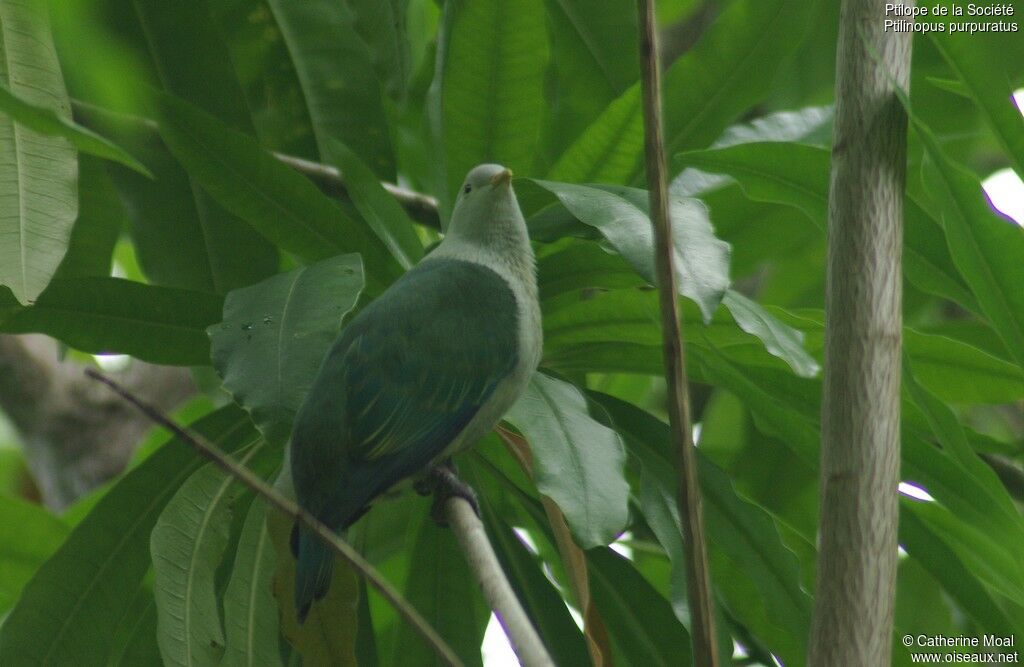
(466, 188)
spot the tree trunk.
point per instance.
(853, 611)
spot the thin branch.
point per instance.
(698, 578)
(290, 508)
(480, 555)
(420, 207)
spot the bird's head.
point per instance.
(486, 204)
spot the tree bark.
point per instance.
(853, 611)
(76, 436)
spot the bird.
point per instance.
(421, 372)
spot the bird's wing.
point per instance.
(406, 376)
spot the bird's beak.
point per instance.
(503, 177)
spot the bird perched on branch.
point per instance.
(425, 370)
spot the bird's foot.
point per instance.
(443, 481)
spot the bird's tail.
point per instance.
(314, 564)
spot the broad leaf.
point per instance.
(162, 325)
(984, 77)
(384, 215)
(69, 612)
(38, 194)
(987, 249)
(578, 462)
(280, 204)
(797, 175)
(101, 219)
(250, 612)
(781, 340)
(741, 531)
(274, 336)
(187, 545)
(490, 75)
(46, 121)
(620, 214)
(29, 534)
(441, 589)
(335, 67)
(729, 70)
(640, 621)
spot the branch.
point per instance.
(480, 555)
(291, 509)
(420, 207)
(698, 578)
(860, 413)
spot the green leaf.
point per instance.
(250, 611)
(620, 214)
(439, 587)
(139, 632)
(984, 74)
(578, 462)
(162, 325)
(383, 26)
(640, 621)
(592, 64)
(282, 205)
(781, 340)
(988, 250)
(582, 265)
(608, 150)
(274, 336)
(48, 122)
(39, 189)
(741, 531)
(384, 215)
(100, 221)
(187, 544)
(69, 612)
(928, 548)
(797, 175)
(29, 534)
(728, 71)
(491, 82)
(335, 67)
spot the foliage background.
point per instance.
(142, 212)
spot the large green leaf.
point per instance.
(282, 205)
(780, 340)
(28, 536)
(187, 544)
(640, 621)
(591, 65)
(182, 236)
(69, 612)
(741, 531)
(162, 325)
(100, 221)
(578, 462)
(274, 336)
(988, 250)
(983, 71)
(384, 215)
(797, 175)
(439, 587)
(620, 214)
(384, 28)
(335, 67)
(250, 612)
(729, 70)
(38, 194)
(491, 79)
(45, 120)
